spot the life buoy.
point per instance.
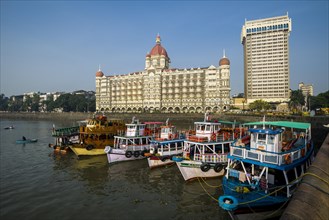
(303, 152)
(136, 153)
(218, 167)
(228, 203)
(287, 158)
(213, 137)
(128, 154)
(205, 167)
(89, 147)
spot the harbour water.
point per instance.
(37, 183)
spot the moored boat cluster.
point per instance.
(261, 163)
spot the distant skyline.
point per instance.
(50, 46)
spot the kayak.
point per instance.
(26, 141)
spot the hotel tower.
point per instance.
(266, 59)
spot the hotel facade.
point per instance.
(160, 88)
(266, 59)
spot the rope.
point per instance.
(320, 169)
(213, 198)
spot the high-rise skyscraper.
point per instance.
(266, 59)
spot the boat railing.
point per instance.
(65, 131)
(282, 158)
(211, 158)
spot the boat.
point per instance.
(205, 150)
(9, 127)
(131, 146)
(98, 132)
(26, 141)
(164, 147)
(65, 137)
(262, 175)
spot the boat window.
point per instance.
(218, 148)
(200, 127)
(226, 147)
(271, 139)
(208, 128)
(262, 138)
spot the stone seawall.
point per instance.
(310, 201)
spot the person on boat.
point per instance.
(24, 138)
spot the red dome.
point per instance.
(224, 61)
(158, 50)
(99, 73)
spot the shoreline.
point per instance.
(319, 132)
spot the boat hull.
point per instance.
(120, 157)
(192, 169)
(82, 151)
(154, 161)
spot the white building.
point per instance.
(307, 90)
(266, 59)
(164, 89)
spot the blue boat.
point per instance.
(263, 173)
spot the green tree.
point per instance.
(259, 105)
(320, 101)
(15, 105)
(297, 100)
(35, 102)
(3, 102)
(27, 104)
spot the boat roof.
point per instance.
(266, 131)
(290, 124)
(153, 123)
(207, 123)
(167, 141)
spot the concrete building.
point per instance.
(307, 90)
(266, 59)
(160, 88)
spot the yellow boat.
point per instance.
(96, 134)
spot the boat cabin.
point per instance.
(207, 129)
(168, 132)
(266, 139)
(135, 130)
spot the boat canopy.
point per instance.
(290, 124)
(153, 123)
(266, 131)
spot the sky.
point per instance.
(50, 46)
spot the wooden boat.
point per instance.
(263, 174)
(205, 152)
(26, 141)
(163, 148)
(96, 134)
(131, 146)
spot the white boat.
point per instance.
(205, 153)
(168, 144)
(132, 146)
